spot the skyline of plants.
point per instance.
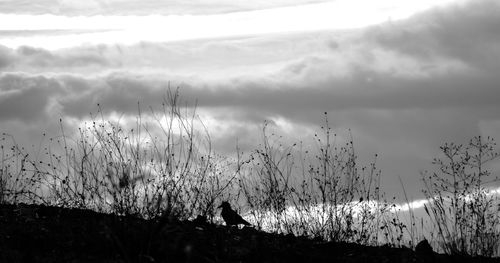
(168, 168)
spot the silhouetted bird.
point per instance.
(423, 247)
(231, 217)
(424, 252)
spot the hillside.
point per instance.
(30, 233)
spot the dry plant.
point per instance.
(266, 185)
(462, 208)
(17, 184)
(328, 195)
(163, 167)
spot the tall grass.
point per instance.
(321, 192)
(161, 164)
(462, 208)
(17, 184)
(163, 167)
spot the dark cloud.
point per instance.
(36, 60)
(26, 98)
(78, 96)
(40, 58)
(466, 32)
(381, 92)
(6, 57)
(186, 57)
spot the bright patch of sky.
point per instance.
(337, 15)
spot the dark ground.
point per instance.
(48, 234)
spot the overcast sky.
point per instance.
(404, 76)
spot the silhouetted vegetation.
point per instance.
(463, 211)
(162, 169)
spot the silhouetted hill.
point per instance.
(31, 233)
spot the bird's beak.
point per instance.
(219, 206)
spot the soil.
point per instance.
(33, 233)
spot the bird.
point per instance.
(423, 247)
(231, 217)
(424, 252)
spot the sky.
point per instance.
(403, 76)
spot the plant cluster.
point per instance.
(321, 192)
(163, 166)
(462, 206)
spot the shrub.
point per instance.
(462, 207)
(322, 193)
(163, 165)
(17, 183)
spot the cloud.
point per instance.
(47, 32)
(25, 98)
(5, 57)
(433, 43)
(467, 32)
(394, 66)
(402, 87)
(130, 29)
(408, 64)
(36, 60)
(134, 7)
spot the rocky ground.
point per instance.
(31, 233)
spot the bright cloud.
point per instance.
(133, 29)
(169, 7)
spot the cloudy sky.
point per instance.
(404, 76)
